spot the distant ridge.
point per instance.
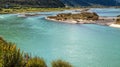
(32, 3)
(91, 2)
(58, 3)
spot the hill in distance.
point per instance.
(91, 2)
(58, 3)
(32, 3)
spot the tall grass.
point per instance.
(60, 63)
(11, 56)
(36, 62)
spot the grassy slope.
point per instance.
(28, 9)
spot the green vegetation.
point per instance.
(60, 63)
(69, 16)
(31, 3)
(36, 62)
(11, 56)
(29, 9)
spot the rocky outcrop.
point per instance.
(81, 16)
(118, 19)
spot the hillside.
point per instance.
(58, 3)
(31, 3)
(118, 1)
(91, 2)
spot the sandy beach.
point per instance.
(115, 25)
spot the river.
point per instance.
(83, 45)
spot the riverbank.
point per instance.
(102, 21)
(30, 9)
(115, 25)
(84, 17)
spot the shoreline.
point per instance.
(29, 10)
(98, 22)
(102, 20)
(115, 25)
(107, 21)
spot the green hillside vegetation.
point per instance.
(93, 3)
(31, 3)
(18, 6)
(29, 9)
(11, 56)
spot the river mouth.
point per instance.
(83, 45)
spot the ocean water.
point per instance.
(83, 45)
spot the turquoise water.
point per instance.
(83, 45)
(107, 12)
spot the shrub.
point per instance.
(1, 45)
(11, 56)
(60, 63)
(36, 62)
(2, 41)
